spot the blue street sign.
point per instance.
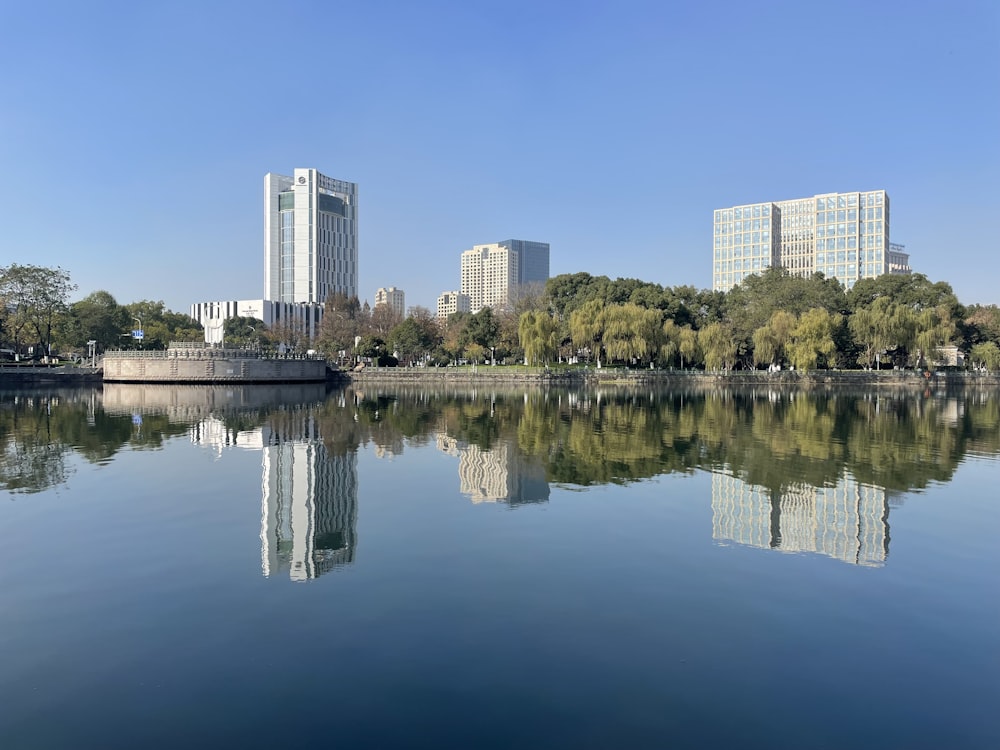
(137, 334)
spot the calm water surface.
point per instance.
(265, 567)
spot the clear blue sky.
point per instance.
(134, 136)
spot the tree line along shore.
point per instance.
(771, 322)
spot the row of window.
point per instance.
(748, 265)
(838, 250)
(850, 200)
(824, 203)
(750, 251)
(829, 227)
(743, 226)
(849, 214)
(743, 212)
(848, 256)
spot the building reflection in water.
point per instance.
(309, 498)
(499, 474)
(849, 522)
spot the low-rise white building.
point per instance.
(301, 316)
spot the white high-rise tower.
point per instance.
(310, 237)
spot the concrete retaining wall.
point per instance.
(613, 376)
(123, 369)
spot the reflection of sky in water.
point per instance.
(615, 616)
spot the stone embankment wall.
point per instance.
(163, 369)
(818, 378)
(61, 375)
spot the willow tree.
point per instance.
(687, 344)
(586, 327)
(813, 338)
(669, 344)
(537, 332)
(718, 346)
(934, 328)
(631, 332)
(770, 340)
(985, 355)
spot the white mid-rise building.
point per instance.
(310, 253)
(310, 237)
(492, 273)
(841, 235)
(393, 298)
(449, 303)
(295, 318)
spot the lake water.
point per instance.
(291, 567)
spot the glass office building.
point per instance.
(841, 235)
(310, 237)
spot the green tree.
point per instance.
(410, 340)
(453, 335)
(631, 333)
(718, 346)
(32, 297)
(934, 329)
(770, 340)
(537, 332)
(985, 355)
(245, 332)
(586, 328)
(483, 329)
(912, 290)
(373, 347)
(97, 317)
(160, 326)
(812, 338)
(687, 344)
(982, 323)
(669, 343)
(569, 291)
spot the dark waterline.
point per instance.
(260, 567)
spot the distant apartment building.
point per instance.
(841, 235)
(492, 273)
(392, 297)
(310, 237)
(452, 302)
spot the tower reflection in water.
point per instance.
(849, 522)
(500, 474)
(309, 498)
(309, 503)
